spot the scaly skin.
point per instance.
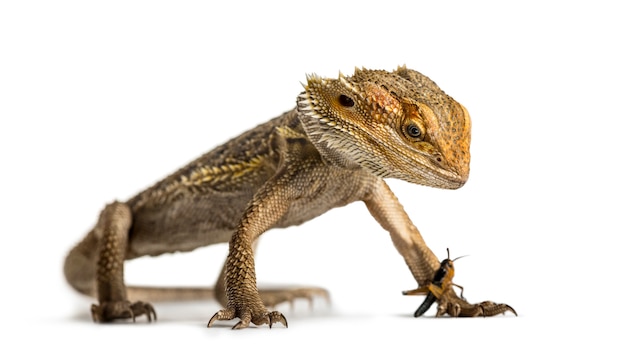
(334, 148)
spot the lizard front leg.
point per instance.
(243, 299)
(387, 210)
(272, 297)
(422, 262)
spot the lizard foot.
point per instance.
(247, 316)
(109, 311)
(441, 290)
(455, 306)
(273, 297)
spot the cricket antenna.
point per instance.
(448, 249)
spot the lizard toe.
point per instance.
(246, 317)
(455, 306)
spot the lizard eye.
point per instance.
(346, 101)
(413, 131)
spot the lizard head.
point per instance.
(396, 124)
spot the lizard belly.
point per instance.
(186, 224)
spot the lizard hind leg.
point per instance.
(96, 267)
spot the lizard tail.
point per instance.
(80, 272)
(162, 294)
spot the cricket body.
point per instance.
(441, 284)
(344, 136)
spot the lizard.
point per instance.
(337, 146)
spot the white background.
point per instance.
(100, 100)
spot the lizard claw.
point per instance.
(277, 317)
(222, 315)
(242, 324)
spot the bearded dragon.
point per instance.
(343, 138)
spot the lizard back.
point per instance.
(201, 202)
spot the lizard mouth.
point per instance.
(452, 181)
(431, 174)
